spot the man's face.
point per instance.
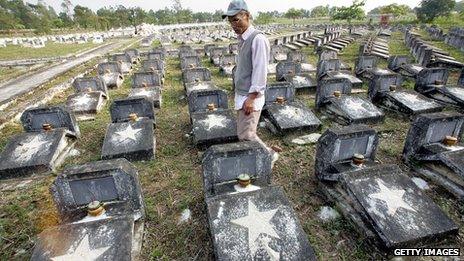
(239, 22)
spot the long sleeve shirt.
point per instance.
(261, 52)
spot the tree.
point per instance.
(430, 9)
(264, 18)
(353, 12)
(84, 17)
(293, 14)
(320, 11)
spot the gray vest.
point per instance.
(242, 76)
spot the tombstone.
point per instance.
(387, 208)
(331, 68)
(432, 82)
(278, 53)
(216, 53)
(124, 60)
(233, 48)
(111, 73)
(151, 93)
(234, 211)
(131, 135)
(195, 76)
(227, 64)
(115, 183)
(207, 49)
(332, 98)
(384, 91)
(401, 64)
(85, 105)
(50, 133)
(202, 100)
(366, 67)
(434, 149)
(147, 79)
(190, 62)
(133, 54)
(213, 127)
(287, 68)
(153, 66)
(155, 56)
(284, 114)
(86, 84)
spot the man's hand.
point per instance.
(248, 105)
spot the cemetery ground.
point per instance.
(172, 182)
(12, 52)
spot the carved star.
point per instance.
(128, 133)
(27, 150)
(83, 100)
(214, 121)
(82, 252)
(257, 223)
(393, 198)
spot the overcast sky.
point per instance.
(212, 5)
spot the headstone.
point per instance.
(434, 141)
(222, 164)
(152, 94)
(124, 60)
(50, 135)
(196, 75)
(155, 55)
(332, 98)
(200, 100)
(133, 54)
(153, 66)
(287, 68)
(331, 68)
(147, 79)
(190, 62)
(432, 82)
(111, 73)
(227, 64)
(384, 203)
(82, 85)
(122, 109)
(115, 183)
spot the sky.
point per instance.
(212, 5)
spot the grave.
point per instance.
(196, 77)
(401, 64)
(190, 62)
(124, 60)
(227, 64)
(233, 48)
(434, 149)
(249, 221)
(284, 114)
(50, 133)
(216, 53)
(326, 54)
(151, 93)
(134, 55)
(332, 98)
(131, 133)
(86, 84)
(202, 100)
(111, 73)
(432, 82)
(147, 79)
(366, 67)
(331, 69)
(156, 55)
(384, 91)
(299, 57)
(278, 53)
(153, 66)
(384, 205)
(85, 105)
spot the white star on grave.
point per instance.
(257, 223)
(354, 105)
(128, 133)
(393, 198)
(291, 113)
(214, 121)
(299, 79)
(83, 100)
(82, 252)
(143, 93)
(25, 151)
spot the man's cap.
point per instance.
(235, 7)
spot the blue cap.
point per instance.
(235, 7)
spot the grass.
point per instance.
(172, 182)
(12, 52)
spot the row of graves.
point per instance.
(249, 218)
(100, 204)
(454, 37)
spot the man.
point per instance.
(250, 76)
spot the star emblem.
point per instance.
(143, 93)
(393, 198)
(25, 151)
(82, 252)
(83, 100)
(127, 134)
(213, 121)
(257, 223)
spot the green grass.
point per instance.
(173, 181)
(12, 52)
